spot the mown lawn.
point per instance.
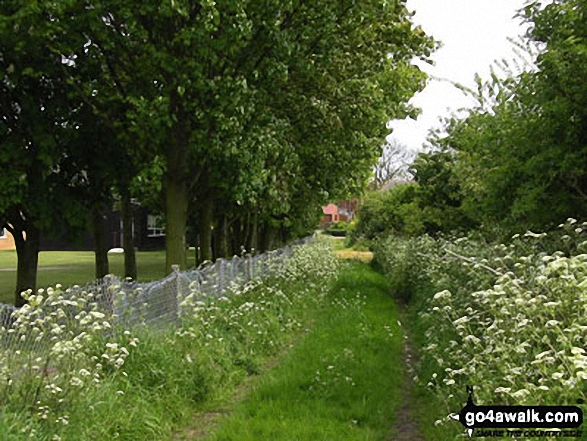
(341, 382)
(77, 267)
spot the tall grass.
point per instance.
(509, 319)
(96, 380)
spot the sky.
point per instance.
(474, 34)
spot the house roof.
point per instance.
(330, 209)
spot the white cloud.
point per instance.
(474, 34)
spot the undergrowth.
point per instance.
(509, 319)
(76, 375)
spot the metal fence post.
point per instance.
(219, 267)
(177, 289)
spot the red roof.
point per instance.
(330, 209)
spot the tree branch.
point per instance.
(467, 259)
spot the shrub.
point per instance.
(506, 318)
(337, 229)
(392, 211)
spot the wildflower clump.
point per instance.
(253, 319)
(508, 319)
(58, 347)
(72, 366)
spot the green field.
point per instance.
(77, 267)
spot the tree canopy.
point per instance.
(522, 160)
(518, 159)
(246, 115)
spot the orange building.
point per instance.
(6, 240)
(330, 215)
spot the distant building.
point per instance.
(330, 215)
(6, 240)
(345, 210)
(148, 234)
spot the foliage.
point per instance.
(97, 380)
(404, 266)
(441, 193)
(394, 210)
(506, 318)
(338, 228)
(431, 204)
(520, 155)
(253, 110)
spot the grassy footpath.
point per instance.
(341, 382)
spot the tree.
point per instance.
(522, 160)
(393, 163)
(287, 66)
(39, 188)
(430, 204)
(258, 107)
(440, 193)
(393, 211)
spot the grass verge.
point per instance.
(96, 380)
(343, 381)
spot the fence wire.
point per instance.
(155, 304)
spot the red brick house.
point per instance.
(330, 215)
(344, 210)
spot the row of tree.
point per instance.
(519, 159)
(242, 115)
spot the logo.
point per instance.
(480, 419)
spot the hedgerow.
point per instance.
(509, 319)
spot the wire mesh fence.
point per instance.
(130, 303)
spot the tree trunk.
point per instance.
(222, 235)
(100, 232)
(27, 251)
(206, 227)
(252, 245)
(130, 258)
(197, 252)
(176, 211)
(235, 235)
(176, 187)
(267, 238)
(246, 232)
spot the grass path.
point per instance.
(406, 426)
(342, 381)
